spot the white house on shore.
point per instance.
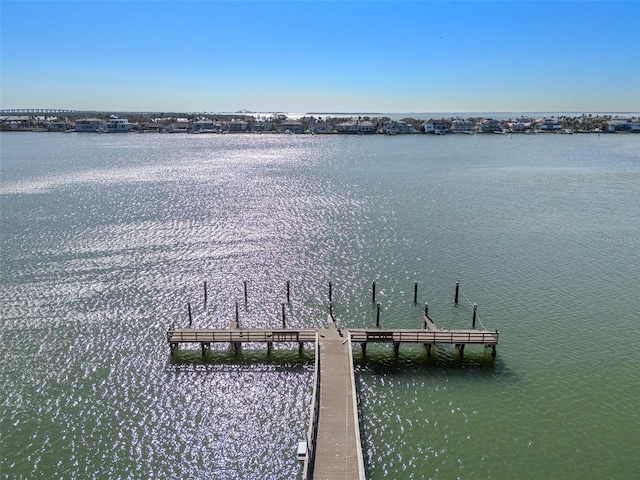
(355, 127)
(291, 126)
(549, 125)
(393, 128)
(462, 126)
(90, 125)
(437, 127)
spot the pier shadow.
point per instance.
(442, 359)
(281, 357)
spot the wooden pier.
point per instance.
(332, 447)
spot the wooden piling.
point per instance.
(378, 314)
(284, 323)
(237, 315)
(415, 292)
(475, 314)
(455, 300)
(245, 293)
(190, 318)
(373, 292)
(205, 294)
(288, 292)
(426, 314)
(330, 292)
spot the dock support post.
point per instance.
(245, 293)
(288, 292)
(330, 292)
(205, 294)
(475, 314)
(190, 319)
(493, 351)
(428, 347)
(284, 323)
(204, 347)
(173, 347)
(426, 313)
(237, 316)
(300, 348)
(378, 314)
(373, 292)
(363, 346)
(460, 348)
(415, 292)
(269, 347)
(455, 300)
(396, 348)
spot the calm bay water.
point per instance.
(105, 239)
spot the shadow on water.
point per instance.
(285, 358)
(412, 362)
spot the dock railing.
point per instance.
(206, 335)
(483, 337)
(312, 433)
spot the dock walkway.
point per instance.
(338, 452)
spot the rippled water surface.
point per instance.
(106, 239)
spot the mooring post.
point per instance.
(428, 347)
(205, 294)
(190, 319)
(475, 314)
(245, 293)
(284, 324)
(330, 291)
(378, 314)
(396, 348)
(288, 292)
(415, 292)
(455, 300)
(363, 346)
(237, 316)
(373, 292)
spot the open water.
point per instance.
(105, 239)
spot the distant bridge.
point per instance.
(33, 111)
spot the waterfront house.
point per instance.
(355, 127)
(621, 124)
(15, 122)
(461, 126)
(549, 125)
(291, 126)
(204, 126)
(90, 125)
(179, 125)
(437, 127)
(490, 126)
(321, 127)
(397, 127)
(237, 126)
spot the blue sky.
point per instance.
(331, 56)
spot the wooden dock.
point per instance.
(332, 444)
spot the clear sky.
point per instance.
(329, 56)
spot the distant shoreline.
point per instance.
(321, 123)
